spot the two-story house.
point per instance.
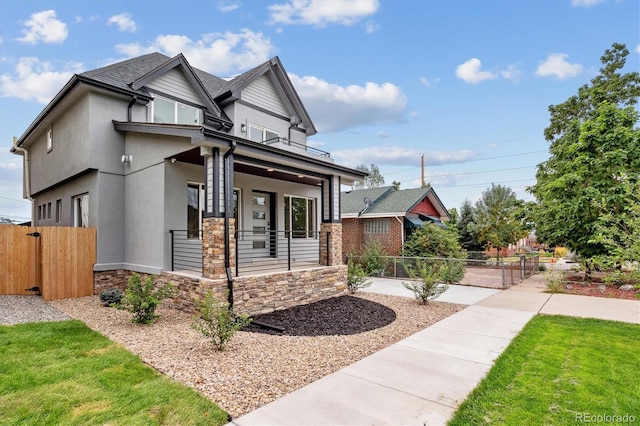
(179, 170)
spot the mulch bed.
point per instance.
(597, 288)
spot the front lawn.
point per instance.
(559, 371)
(64, 373)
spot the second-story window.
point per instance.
(49, 140)
(171, 112)
(261, 134)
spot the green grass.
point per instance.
(557, 369)
(63, 373)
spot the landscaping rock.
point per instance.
(626, 287)
(569, 286)
(602, 288)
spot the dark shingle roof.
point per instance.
(121, 74)
(399, 201)
(353, 201)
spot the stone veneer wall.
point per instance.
(252, 295)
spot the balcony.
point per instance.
(256, 252)
(288, 145)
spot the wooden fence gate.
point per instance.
(58, 260)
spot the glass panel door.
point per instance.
(260, 223)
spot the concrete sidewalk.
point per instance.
(422, 379)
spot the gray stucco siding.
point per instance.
(70, 151)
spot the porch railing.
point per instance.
(257, 252)
(186, 250)
(272, 251)
(301, 146)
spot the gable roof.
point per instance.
(387, 201)
(129, 77)
(273, 67)
(352, 202)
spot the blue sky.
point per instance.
(465, 83)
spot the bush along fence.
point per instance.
(490, 273)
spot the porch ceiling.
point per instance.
(193, 156)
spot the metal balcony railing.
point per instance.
(301, 146)
(257, 252)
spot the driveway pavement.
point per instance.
(422, 379)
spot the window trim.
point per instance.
(311, 215)
(201, 206)
(77, 219)
(175, 111)
(50, 139)
(263, 130)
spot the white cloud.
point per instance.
(638, 48)
(556, 65)
(470, 72)
(123, 21)
(585, 3)
(383, 135)
(218, 53)
(425, 81)
(320, 13)
(371, 27)
(43, 26)
(399, 156)
(228, 6)
(335, 108)
(512, 72)
(35, 80)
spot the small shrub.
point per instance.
(619, 277)
(555, 282)
(425, 281)
(217, 321)
(111, 297)
(372, 258)
(142, 298)
(356, 277)
(452, 271)
(559, 252)
(542, 267)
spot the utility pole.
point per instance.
(422, 168)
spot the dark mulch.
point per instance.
(343, 315)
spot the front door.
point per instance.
(261, 224)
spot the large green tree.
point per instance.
(499, 217)
(467, 229)
(374, 180)
(594, 152)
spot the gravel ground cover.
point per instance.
(261, 365)
(21, 309)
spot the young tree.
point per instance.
(374, 180)
(499, 217)
(467, 230)
(594, 149)
(432, 241)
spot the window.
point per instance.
(299, 216)
(49, 140)
(236, 207)
(48, 210)
(376, 226)
(260, 134)
(171, 112)
(58, 211)
(39, 212)
(81, 211)
(195, 205)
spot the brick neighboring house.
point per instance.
(388, 216)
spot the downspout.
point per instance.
(228, 206)
(27, 172)
(134, 99)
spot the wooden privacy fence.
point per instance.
(58, 260)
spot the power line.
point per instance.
(486, 183)
(15, 199)
(469, 161)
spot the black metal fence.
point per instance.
(257, 251)
(488, 272)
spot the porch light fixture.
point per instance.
(243, 128)
(300, 176)
(269, 170)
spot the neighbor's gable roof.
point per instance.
(387, 201)
(352, 202)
